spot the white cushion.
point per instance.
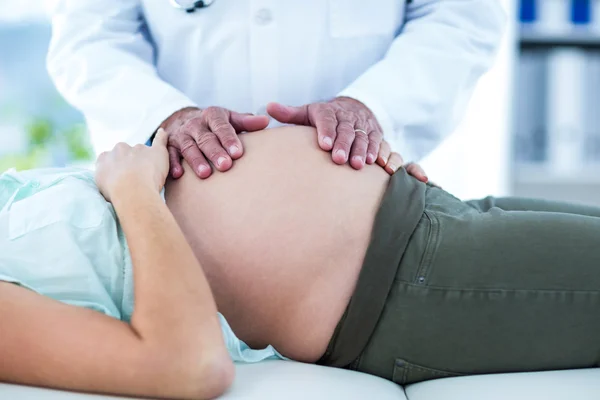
(31, 393)
(264, 381)
(581, 384)
(291, 380)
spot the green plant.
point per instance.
(78, 143)
(20, 162)
(40, 133)
(44, 138)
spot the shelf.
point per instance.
(530, 38)
(543, 174)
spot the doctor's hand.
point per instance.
(391, 162)
(127, 168)
(345, 126)
(206, 135)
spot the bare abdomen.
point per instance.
(281, 237)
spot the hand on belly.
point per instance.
(281, 237)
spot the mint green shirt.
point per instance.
(60, 238)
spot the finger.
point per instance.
(326, 123)
(213, 150)
(375, 139)
(174, 163)
(248, 122)
(161, 138)
(193, 156)
(121, 147)
(101, 157)
(358, 154)
(344, 139)
(289, 114)
(394, 163)
(416, 171)
(217, 120)
(396, 158)
(383, 154)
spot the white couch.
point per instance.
(294, 381)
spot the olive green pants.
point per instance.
(496, 285)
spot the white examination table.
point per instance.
(286, 380)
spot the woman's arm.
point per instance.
(173, 347)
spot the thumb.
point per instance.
(161, 138)
(288, 114)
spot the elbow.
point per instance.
(478, 25)
(207, 379)
(495, 23)
(214, 379)
(52, 64)
(483, 33)
(184, 375)
(56, 61)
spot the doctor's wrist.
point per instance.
(177, 116)
(173, 120)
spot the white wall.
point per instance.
(20, 10)
(475, 161)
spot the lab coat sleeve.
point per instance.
(102, 63)
(420, 90)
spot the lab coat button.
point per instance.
(263, 16)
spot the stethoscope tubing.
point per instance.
(190, 5)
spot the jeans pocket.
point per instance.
(430, 248)
(406, 372)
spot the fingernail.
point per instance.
(327, 141)
(370, 158)
(202, 169)
(358, 159)
(234, 150)
(385, 160)
(341, 153)
(220, 161)
(393, 167)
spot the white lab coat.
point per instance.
(129, 64)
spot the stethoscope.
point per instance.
(191, 5)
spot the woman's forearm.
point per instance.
(174, 307)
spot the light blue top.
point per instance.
(61, 238)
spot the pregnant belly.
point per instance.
(281, 237)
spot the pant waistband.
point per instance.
(398, 215)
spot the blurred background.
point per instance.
(37, 127)
(532, 128)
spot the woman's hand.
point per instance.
(392, 161)
(133, 167)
